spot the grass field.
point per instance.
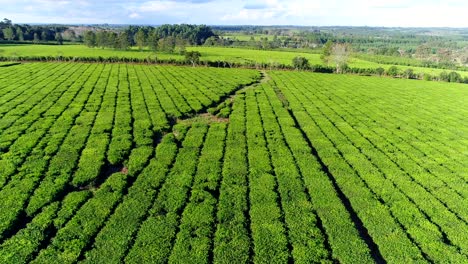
(360, 63)
(250, 55)
(208, 53)
(237, 55)
(76, 51)
(111, 163)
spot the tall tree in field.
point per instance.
(101, 39)
(8, 33)
(111, 40)
(19, 33)
(167, 44)
(140, 38)
(326, 52)
(90, 39)
(44, 36)
(180, 44)
(123, 41)
(340, 54)
(36, 38)
(59, 38)
(153, 40)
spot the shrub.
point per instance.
(300, 63)
(392, 71)
(380, 71)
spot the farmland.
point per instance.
(112, 163)
(225, 54)
(238, 55)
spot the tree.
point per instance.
(36, 38)
(69, 35)
(111, 40)
(193, 57)
(6, 22)
(300, 63)
(180, 44)
(153, 40)
(123, 41)
(90, 39)
(8, 33)
(167, 44)
(326, 52)
(44, 36)
(58, 38)
(211, 41)
(140, 38)
(101, 39)
(340, 54)
(20, 34)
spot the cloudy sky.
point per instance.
(406, 13)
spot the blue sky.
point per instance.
(405, 13)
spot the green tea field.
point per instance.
(129, 163)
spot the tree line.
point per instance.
(37, 34)
(167, 38)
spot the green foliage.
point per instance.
(300, 63)
(21, 247)
(74, 236)
(97, 165)
(380, 71)
(116, 237)
(193, 57)
(409, 74)
(393, 71)
(405, 194)
(140, 38)
(454, 77)
(427, 77)
(199, 212)
(123, 41)
(59, 38)
(138, 159)
(326, 52)
(153, 241)
(231, 239)
(90, 39)
(9, 33)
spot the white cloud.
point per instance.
(134, 15)
(158, 6)
(262, 12)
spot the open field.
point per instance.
(208, 53)
(112, 163)
(235, 55)
(251, 55)
(77, 51)
(360, 63)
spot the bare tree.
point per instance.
(340, 54)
